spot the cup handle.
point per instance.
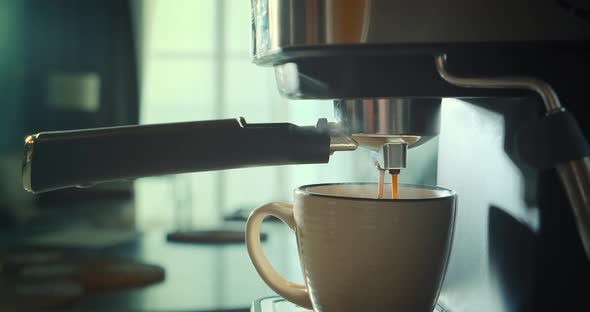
(295, 293)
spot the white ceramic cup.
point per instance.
(359, 253)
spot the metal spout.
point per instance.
(391, 156)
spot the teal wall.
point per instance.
(40, 39)
(11, 75)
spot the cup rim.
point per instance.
(301, 190)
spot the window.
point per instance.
(196, 65)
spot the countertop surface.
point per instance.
(198, 277)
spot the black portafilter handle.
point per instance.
(62, 159)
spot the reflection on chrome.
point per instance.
(27, 162)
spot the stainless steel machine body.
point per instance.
(281, 25)
(521, 233)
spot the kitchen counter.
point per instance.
(198, 277)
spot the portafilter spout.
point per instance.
(389, 126)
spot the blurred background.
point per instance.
(68, 64)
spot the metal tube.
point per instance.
(575, 176)
(542, 88)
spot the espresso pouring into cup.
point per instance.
(360, 253)
(387, 126)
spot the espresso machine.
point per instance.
(499, 85)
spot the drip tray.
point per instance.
(278, 304)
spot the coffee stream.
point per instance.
(394, 191)
(393, 183)
(380, 183)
